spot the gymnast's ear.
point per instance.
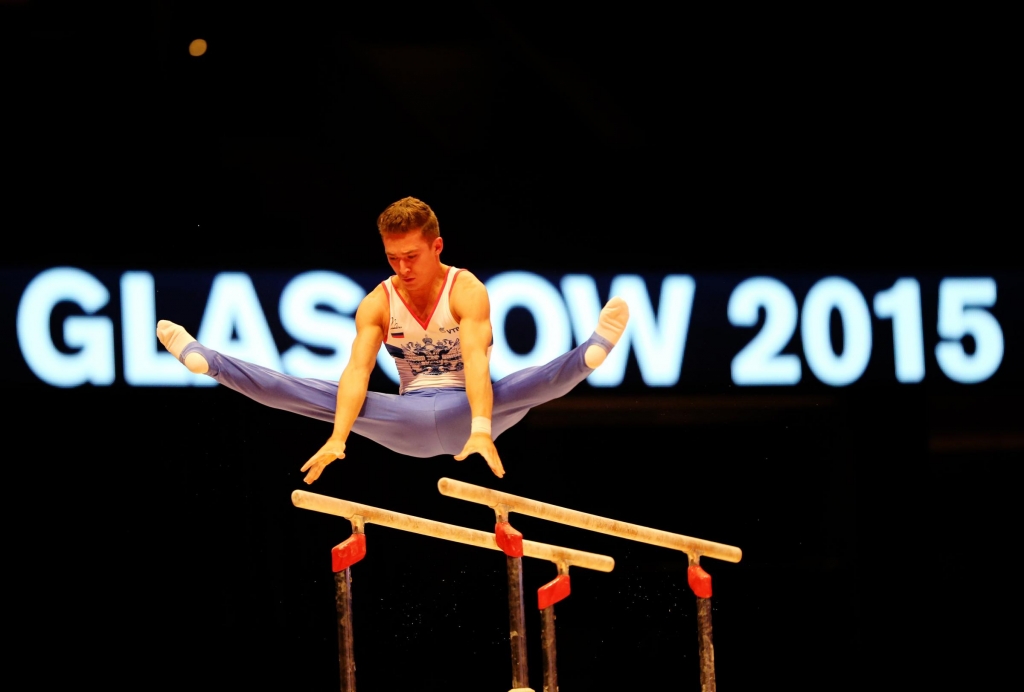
(437, 245)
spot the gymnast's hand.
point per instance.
(482, 444)
(334, 449)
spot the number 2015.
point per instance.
(962, 313)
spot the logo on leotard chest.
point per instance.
(430, 357)
(396, 330)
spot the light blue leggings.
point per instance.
(422, 423)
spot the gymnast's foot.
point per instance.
(610, 325)
(175, 339)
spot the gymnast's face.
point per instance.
(415, 260)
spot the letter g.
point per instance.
(93, 337)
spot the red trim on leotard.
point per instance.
(387, 296)
(454, 279)
(451, 288)
(432, 310)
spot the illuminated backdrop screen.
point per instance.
(694, 333)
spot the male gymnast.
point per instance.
(434, 320)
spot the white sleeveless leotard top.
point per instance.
(427, 354)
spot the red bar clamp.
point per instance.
(348, 552)
(509, 540)
(699, 580)
(553, 592)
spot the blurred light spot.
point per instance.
(197, 48)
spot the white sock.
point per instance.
(610, 325)
(175, 339)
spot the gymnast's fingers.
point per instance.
(495, 463)
(312, 460)
(328, 453)
(487, 451)
(490, 455)
(467, 449)
(315, 471)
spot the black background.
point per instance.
(151, 537)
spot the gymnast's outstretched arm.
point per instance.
(355, 378)
(471, 306)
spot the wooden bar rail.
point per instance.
(448, 532)
(695, 547)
